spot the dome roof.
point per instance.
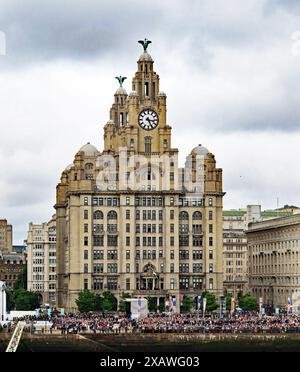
(145, 57)
(200, 150)
(89, 150)
(121, 90)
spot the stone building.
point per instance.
(10, 267)
(274, 253)
(6, 236)
(41, 260)
(128, 218)
(235, 249)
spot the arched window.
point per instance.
(98, 215)
(197, 216)
(89, 166)
(183, 216)
(112, 215)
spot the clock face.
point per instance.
(148, 119)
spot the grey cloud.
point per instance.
(41, 31)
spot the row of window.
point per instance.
(147, 215)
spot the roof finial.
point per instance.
(145, 43)
(121, 79)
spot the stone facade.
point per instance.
(235, 248)
(41, 250)
(274, 253)
(128, 218)
(6, 236)
(10, 267)
(235, 253)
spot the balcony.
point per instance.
(150, 292)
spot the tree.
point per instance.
(109, 302)
(211, 301)
(86, 301)
(152, 304)
(122, 304)
(25, 300)
(10, 302)
(248, 303)
(187, 303)
(228, 301)
(21, 281)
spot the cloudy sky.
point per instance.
(231, 71)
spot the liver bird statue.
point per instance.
(121, 79)
(145, 43)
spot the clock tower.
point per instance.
(139, 121)
(128, 219)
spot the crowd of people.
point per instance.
(166, 323)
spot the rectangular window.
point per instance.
(86, 214)
(98, 240)
(86, 254)
(127, 284)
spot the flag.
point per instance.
(199, 301)
(232, 304)
(170, 303)
(174, 303)
(204, 304)
(139, 304)
(289, 305)
(181, 296)
(260, 306)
